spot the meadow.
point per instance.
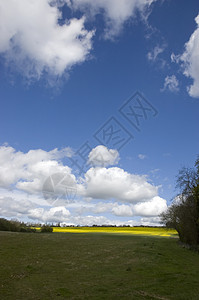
(96, 265)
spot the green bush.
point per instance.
(16, 226)
(6, 225)
(46, 228)
(27, 229)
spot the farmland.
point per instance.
(148, 231)
(96, 266)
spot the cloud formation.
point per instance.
(29, 170)
(122, 210)
(153, 54)
(54, 214)
(116, 12)
(10, 207)
(189, 61)
(32, 38)
(154, 207)
(26, 179)
(35, 40)
(115, 183)
(171, 83)
(102, 156)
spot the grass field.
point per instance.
(96, 266)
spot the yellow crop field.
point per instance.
(151, 231)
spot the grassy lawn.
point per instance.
(95, 266)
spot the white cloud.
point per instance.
(151, 221)
(21, 205)
(116, 12)
(27, 208)
(103, 183)
(18, 196)
(35, 40)
(89, 220)
(153, 55)
(171, 83)
(174, 58)
(122, 210)
(141, 156)
(32, 39)
(190, 60)
(24, 176)
(54, 214)
(28, 171)
(154, 207)
(102, 207)
(10, 207)
(102, 156)
(98, 220)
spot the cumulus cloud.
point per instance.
(29, 170)
(98, 220)
(32, 38)
(151, 208)
(10, 207)
(151, 221)
(122, 210)
(17, 204)
(54, 214)
(154, 207)
(116, 12)
(171, 83)
(28, 179)
(109, 183)
(36, 40)
(102, 156)
(190, 60)
(88, 220)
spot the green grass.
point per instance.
(95, 266)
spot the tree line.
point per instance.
(17, 226)
(183, 214)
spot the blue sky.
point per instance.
(67, 67)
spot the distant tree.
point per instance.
(6, 225)
(183, 214)
(46, 228)
(14, 225)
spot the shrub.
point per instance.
(6, 225)
(183, 215)
(27, 229)
(16, 226)
(46, 228)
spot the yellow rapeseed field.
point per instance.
(151, 231)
